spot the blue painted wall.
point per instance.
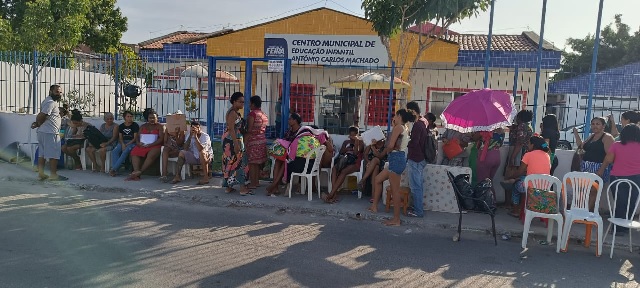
(621, 81)
(175, 51)
(510, 59)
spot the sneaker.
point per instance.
(413, 214)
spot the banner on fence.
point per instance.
(349, 50)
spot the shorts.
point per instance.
(397, 162)
(190, 158)
(49, 145)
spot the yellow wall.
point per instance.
(250, 42)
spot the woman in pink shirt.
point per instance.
(625, 158)
(536, 161)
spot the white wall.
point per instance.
(14, 88)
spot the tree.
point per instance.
(617, 47)
(60, 25)
(393, 18)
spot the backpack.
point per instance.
(94, 136)
(430, 148)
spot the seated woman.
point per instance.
(148, 144)
(173, 144)
(278, 168)
(536, 161)
(348, 161)
(374, 164)
(75, 138)
(197, 150)
(110, 131)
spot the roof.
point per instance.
(619, 81)
(428, 27)
(175, 37)
(525, 42)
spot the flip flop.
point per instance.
(132, 178)
(43, 177)
(112, 173)
(175, 181)
(231, 190)
(245, 194)
(202, 182)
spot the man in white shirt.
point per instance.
(197, 150)
(48, 123)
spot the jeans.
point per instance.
(623, 196)
(118, 155)
(416, 184)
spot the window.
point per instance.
(378, 107)
(171, 85)
(302, 100)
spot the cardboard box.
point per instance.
(176, 120)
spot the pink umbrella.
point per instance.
(480, 110)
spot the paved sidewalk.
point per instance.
(348, 207)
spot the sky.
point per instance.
(565, 18)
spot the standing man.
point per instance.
(48, 123)
(197, 150)
(416, 160)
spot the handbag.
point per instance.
(542, 201)
(277, 151)
(452, 148)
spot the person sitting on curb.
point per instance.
(197, 150)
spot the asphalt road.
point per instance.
(55, 236)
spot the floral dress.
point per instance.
(234, 166)
(257, 142)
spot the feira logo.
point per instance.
(275, 51)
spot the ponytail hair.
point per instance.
(406, 115)
(539, 143)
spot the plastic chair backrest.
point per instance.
(316, 164)
(545, 182)
(615, 190)
(581, 184)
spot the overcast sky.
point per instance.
(565, 18)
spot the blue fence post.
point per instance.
(34, 84)
(540, 42)
(487, 59)
(390, 110)
(116, 79)
(211, 96)
(592, 76)
(284, 106)
(248, 76)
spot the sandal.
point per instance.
(174, 181)
(164, 179)
(202, 182)
(230, 190)
(246, 193)
(112, 173)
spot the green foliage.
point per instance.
(190, 98)
(60, 25)
(618, 46)
(84, 103)
(131, 69)
(5, 34)
(391, 18)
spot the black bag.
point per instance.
(94, 136)
(485, 200)
(344, 160)
(431, 148)
(463, 185)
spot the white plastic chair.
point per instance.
(544, 182)
(308, 177)
(328, 171)
(185, 168)
(358, 175)
(82, 153)
(622, 222)
(581, 184)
